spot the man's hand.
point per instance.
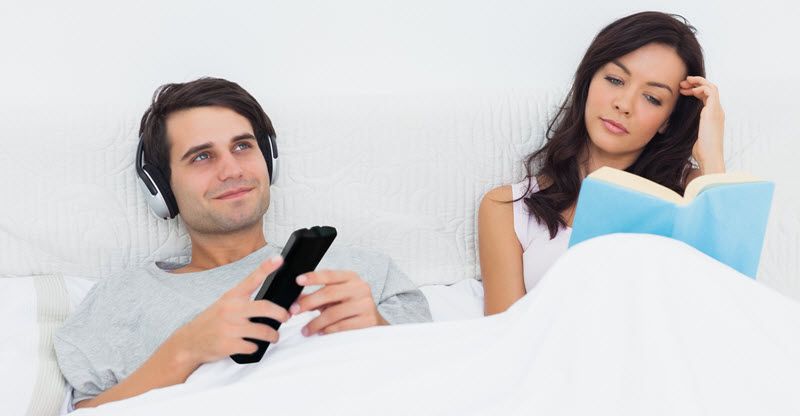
(345, 302)
(218, 331)
(215, 333)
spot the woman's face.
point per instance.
(630, 100)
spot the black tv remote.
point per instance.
(302, 254)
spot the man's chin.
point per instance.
(227, 224)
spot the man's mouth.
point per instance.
(235, 193)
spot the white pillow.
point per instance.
(31, 309)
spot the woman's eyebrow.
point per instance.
(651, 83)
(623, 67)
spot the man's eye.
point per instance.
(613, 80)
(242, 146)
(200, 157)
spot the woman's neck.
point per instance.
(594, 158)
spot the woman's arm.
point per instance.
(500, 252)
(708, 149)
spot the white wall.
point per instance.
(84, 71)
(363, 46)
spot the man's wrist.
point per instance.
(179, 358)
(381, 320)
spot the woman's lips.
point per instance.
(614, 127)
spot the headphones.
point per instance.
(158, 193)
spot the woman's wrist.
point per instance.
(707, 167)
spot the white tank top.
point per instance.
(539, 252)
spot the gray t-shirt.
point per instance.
(125, 318)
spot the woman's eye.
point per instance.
(652, 100)
(614, 81)
(200, 157)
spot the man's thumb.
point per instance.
(252, 282)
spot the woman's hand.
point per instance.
(707, 151)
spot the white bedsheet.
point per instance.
(623, 324)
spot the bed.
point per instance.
(393, 138)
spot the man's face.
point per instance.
(219, 175)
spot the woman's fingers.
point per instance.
(702, 92)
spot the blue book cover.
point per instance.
(722, 215)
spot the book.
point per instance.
(723, 215)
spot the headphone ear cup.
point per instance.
(273, 175)
(270, 151)
(163, 203)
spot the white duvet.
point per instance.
(624, 324)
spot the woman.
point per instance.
(639, 102)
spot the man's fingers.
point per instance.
(356, 322)
(331, 316)
(319, 299)
(260, 332)
(256, 278)
(266, 309)
(324, 277)
(243, 346)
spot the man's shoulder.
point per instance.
(353, 257)
(106, 296)
(126, 277)
(357, 251)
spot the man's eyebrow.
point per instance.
(651, 83)
(205, 146)
(243, 136)
(194, 149)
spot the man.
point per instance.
(207, 152)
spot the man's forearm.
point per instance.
(169, 365)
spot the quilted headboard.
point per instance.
(383, 132)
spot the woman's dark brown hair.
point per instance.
(665, 159)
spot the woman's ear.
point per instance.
(663, 127)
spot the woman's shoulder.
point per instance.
(496, 206)
(502, 193)
(512, 192)
(524, 188)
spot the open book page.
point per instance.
(637, 183)
(697, 185)
(704, 182)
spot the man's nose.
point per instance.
(229, 168)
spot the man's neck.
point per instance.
(211, 251)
